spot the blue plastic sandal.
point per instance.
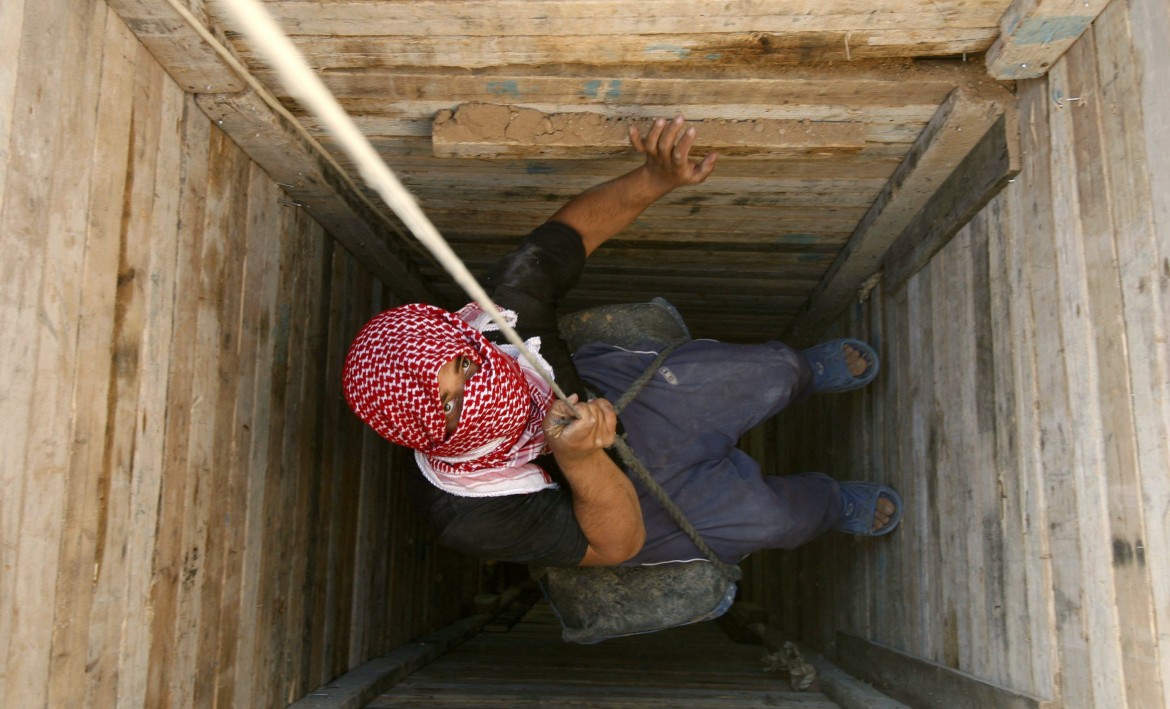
(860, 502)
(831, 374)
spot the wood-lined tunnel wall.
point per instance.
(1024, 413)
(189, 514)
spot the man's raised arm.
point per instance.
(602, 211)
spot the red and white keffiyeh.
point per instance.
(391, 382)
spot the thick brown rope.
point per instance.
(730, 571)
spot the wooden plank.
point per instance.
(1150, 21)
(875, 162)
(950, 498)
(922, 518)
(66, 374)
(820, 191)
(11, 30)
(955, 129)
(1073, 573)
(577, 17)
(120, 634)
(289, 571)
(270, 645)
(262, 318)
(986, 170)
(1027, 630)
(264, 134)
(695, 50)
(171, 569)
(357, 687)
(167, 32)
(1143, 258)
(866, 86)
(885, 132)
(924, 684)
(118, 565)
(304, 448)
(320, 509)
(1033, 34)
(253, 218)
(42, 232)
(394, 124)
(1038, 620)
(341, 296)
(213, 338)
(311, 180)
(845, 689)
(492, 130)
(706, 227)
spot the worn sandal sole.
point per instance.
(831, 374)
(860, 500)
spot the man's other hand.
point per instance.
(667, 147)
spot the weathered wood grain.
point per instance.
(1148, 22)
(312, 181)
(1033, 34)
(504, 19)
(986, 170)
(43, 249)
(1143, 259)
(141, 264)
(493, 130)
(760, 49)
(190, 61)
(66, 403)
(957, 127)
(923, 684)
(11, 32)
(126, 507)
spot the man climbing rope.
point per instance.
(511, 473)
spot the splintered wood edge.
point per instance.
(484, 130)
(1034, 35)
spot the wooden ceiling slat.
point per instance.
(741, 251)
(691, 49)
(493, 130)
(590, 17)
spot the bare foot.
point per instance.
(855, 362)
(882, 513)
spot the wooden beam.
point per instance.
(924, 684)
(314, 183)
(490, 130)
(360, 685)
(678, 50)
(983, 173)
(198, 59)
(166, 30)
(1033, 34)
(958, 125)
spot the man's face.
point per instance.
(452, 377)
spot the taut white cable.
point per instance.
(299, 79)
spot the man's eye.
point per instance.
(448, 407)
(465, 364)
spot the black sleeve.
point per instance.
(540, 527)
(532, 281)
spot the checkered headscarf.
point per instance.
(391, 382)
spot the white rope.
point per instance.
(300, 80)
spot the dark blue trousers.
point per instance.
(684, 427)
